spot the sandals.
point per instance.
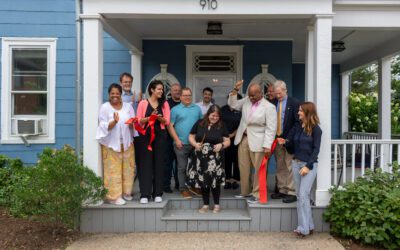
(216, 209)
(298, 233)
(203, 209)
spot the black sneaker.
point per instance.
(289, 199)
(228, 185)
(235, 185)
(252, 200)
(278, 196)
(168, 190)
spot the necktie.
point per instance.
(279, 129)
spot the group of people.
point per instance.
(204, 147)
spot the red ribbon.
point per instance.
(142, 130)
(262, 176)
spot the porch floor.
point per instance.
(176, 214)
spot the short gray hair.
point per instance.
(175, 84)
(280, 84)
(255, 84)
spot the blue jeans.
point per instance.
(303, 187)
(182, 159)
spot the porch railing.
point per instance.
(365, 136)
(350, 158)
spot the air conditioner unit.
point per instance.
(29, 126)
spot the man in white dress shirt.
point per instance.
(206, 103)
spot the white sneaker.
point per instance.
(158, 199)
(118, 202)
(144, 200)
(127, 197)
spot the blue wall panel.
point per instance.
(336, 102)
(278, 54)
(298, 81)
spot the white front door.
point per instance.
(214, 66)
(220, 84)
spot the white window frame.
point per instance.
(8, 43)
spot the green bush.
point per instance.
(368, 209)
(55, 189)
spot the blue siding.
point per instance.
(278, 54)
(116, 60)
(56, 19)
(299, 90)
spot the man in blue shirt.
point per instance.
(183, 117)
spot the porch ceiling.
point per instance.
(358, 42)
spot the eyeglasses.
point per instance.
(186, 95)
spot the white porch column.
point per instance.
(309, 91)
(384, 98)
(136, 70)
(345, 101)
(92, 89)
(322, 98)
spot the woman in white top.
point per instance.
(117, 149)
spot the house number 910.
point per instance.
(210, 4)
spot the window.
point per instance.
(28, 90)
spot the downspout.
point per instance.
(78, 11)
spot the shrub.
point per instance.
(11, 171)
(56, 188)
(368, 209)
(363, 113)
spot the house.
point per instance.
(58, 57)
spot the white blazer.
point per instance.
(260, 126)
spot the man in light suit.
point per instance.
(254, 136)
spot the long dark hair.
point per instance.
(310, 116)
(205, 122)
(152, 86)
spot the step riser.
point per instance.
(197, 203)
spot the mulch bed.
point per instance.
(17, 233)
(351, 244)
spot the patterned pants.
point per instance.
(118, 172)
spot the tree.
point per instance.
(396, 78)
(364, 80)
(363, 99)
